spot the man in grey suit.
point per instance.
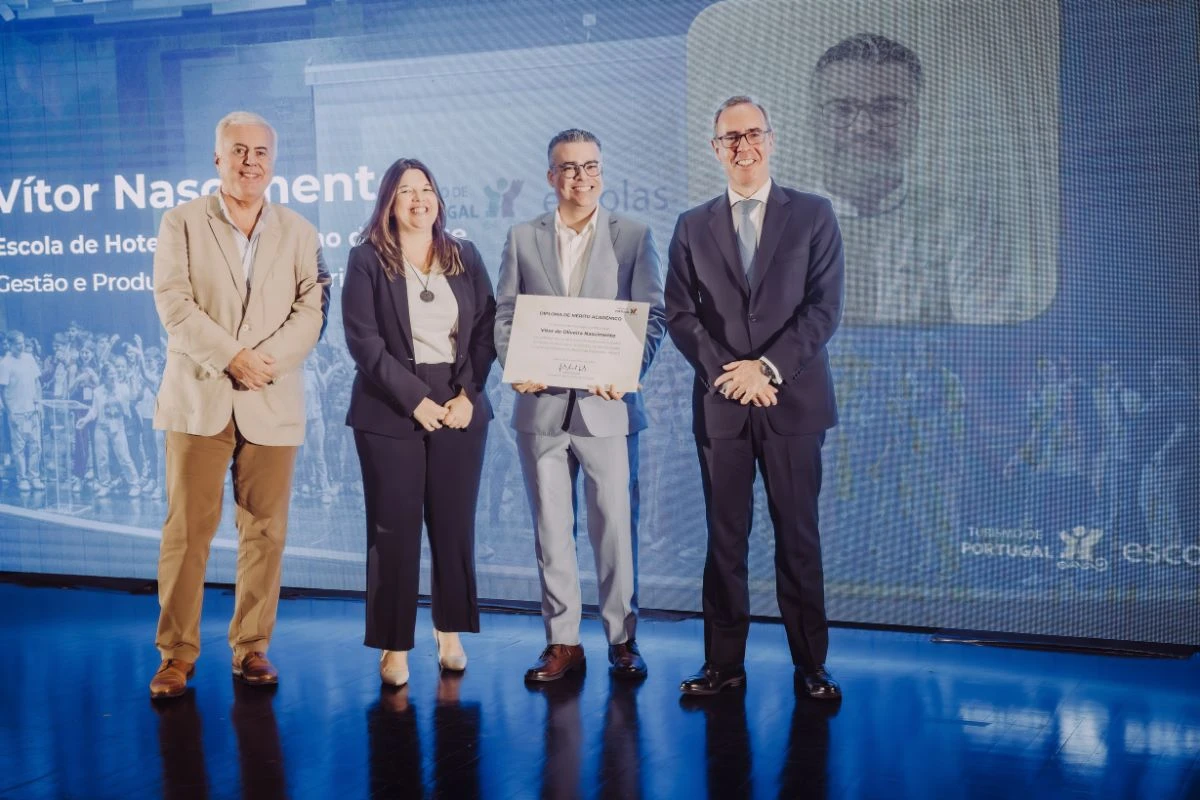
(581, 250)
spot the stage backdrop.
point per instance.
(1016, 368)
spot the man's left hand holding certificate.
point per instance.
(576, 342)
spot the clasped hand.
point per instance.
(252, 369)
(744, 382)
(456, 414)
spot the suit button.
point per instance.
(753, 318)
(246, 328)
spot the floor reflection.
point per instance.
(919, 719)
(455, 741)
(260, 756)
(394, 745)
(805, 769)
(181, 749)
(620, 774)
(726, 742)
(563, 737)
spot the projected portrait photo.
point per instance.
(939, 153)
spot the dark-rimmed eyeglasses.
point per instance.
(884, 113)
(574, 170)
(730, 140)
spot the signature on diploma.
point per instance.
(571, 368)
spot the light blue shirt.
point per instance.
(247, 245)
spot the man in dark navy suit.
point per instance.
(753, 295)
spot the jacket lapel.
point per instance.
(547, 249)
(775, 222)
(225, 241)
(397, 289)
(720, 224)
(599, 277)
(264, 254)
(460, 284)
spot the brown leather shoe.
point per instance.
(254, 669)
(171, 678)
(556, 661)
(626, 661)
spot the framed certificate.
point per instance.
(576, 342)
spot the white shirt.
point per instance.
(21, 378)
(247, 245)
(434, 324)
(756, 219)
(573, 247)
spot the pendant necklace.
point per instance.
(426, 295)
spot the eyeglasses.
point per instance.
(884, 113)
(753, 136)
(573, 170)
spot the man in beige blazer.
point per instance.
(238, 283)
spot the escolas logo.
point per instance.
(1079, 552)
(501, 196)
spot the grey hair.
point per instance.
(741, 100)
(569, 135)
(873, 48)
(242, 118)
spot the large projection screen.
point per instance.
(1016, 368)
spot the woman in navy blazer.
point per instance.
(418, 310)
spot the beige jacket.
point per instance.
(201, 297)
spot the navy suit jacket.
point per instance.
(786, 310)
(379, 336)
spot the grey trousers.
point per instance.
(551, 465)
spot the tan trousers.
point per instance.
(262, 483)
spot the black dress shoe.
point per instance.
(626, 661)
(819, 685)
(711, 680)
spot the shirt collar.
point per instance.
(561, 227)
(262, 215)
(761, 195)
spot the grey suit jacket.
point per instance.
(623, 265)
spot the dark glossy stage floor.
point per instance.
(919, 719)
